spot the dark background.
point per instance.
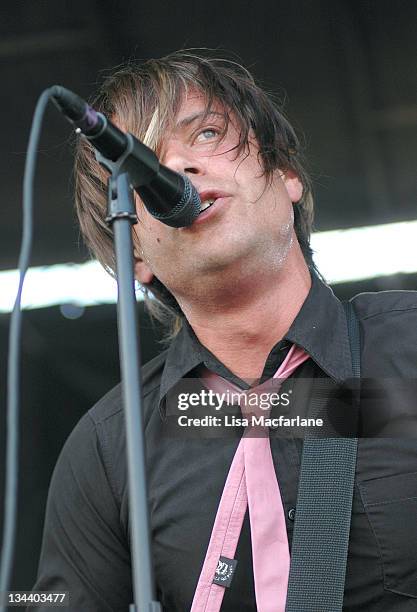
(347, 70)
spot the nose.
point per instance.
(180, 157)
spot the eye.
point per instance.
(207, 134)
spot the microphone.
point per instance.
(169, 196)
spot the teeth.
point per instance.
(206, 204)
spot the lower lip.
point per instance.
(209, 212)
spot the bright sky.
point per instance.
(341, 256)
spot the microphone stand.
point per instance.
(121, 215)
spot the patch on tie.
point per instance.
(225, 571)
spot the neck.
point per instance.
(241, 324)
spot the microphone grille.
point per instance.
(187, 208)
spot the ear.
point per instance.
(293, 185)
(143, 273)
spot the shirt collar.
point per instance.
(319, 328)
(184, 354)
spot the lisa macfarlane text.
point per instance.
(250, 421)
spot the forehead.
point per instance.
(194, 106)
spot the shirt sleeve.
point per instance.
(84, 548)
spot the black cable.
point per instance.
(13, 372)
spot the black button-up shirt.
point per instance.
(86, 540)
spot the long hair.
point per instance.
(144, 98)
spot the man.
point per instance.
(238, 288)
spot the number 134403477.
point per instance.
(31, 598)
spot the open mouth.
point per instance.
(206, 205)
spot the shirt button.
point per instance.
(291, 514)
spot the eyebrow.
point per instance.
(187, 121)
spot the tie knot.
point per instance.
(258, 401)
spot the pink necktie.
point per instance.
(251, 482)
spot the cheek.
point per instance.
(157, 243)
(249, 174)
(148, 229)
(149, 238)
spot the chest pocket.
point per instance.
(391, 506)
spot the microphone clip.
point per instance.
(120, 198)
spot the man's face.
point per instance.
(248, 228)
